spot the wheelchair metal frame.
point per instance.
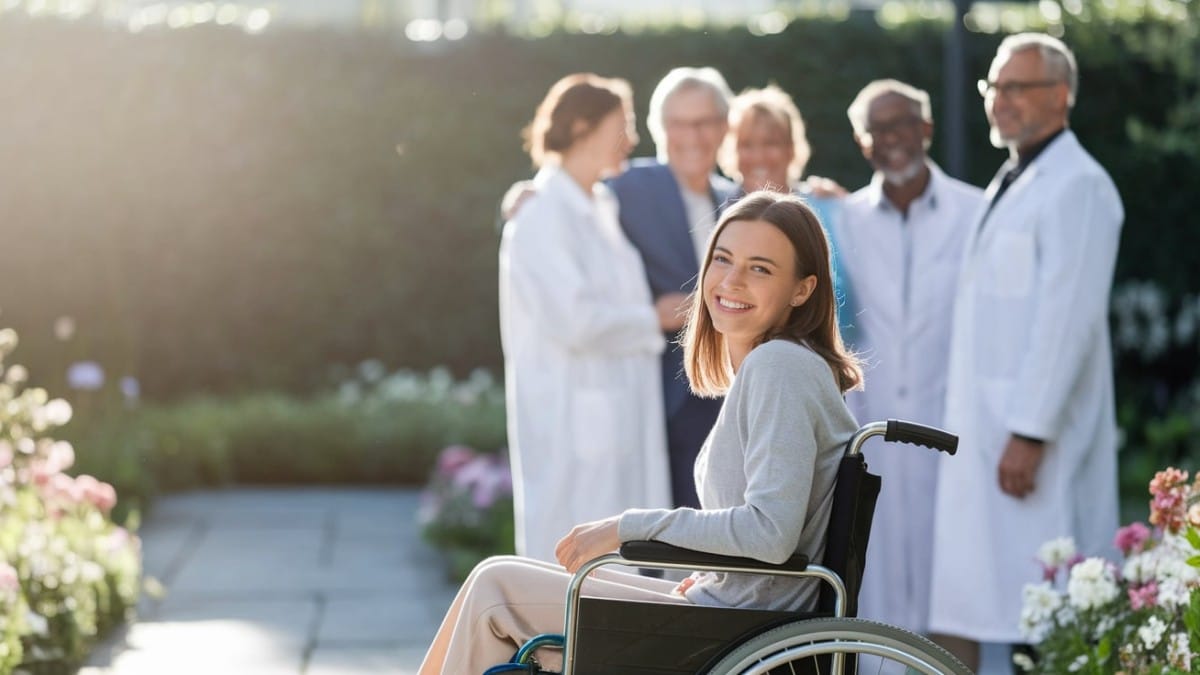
(574, 590)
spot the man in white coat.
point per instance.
(1030, 390)
(901, 240)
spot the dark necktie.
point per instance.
(1008, 178)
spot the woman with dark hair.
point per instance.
(762, 332)
(580, 331)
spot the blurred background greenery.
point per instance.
(235, 217)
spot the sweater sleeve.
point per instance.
(777, 402)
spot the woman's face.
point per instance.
(750, 286)
(611, 141)
(764, 152)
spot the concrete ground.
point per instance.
(283, 582)
(295, 581)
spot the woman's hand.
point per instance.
(587, 541)
(672, 309)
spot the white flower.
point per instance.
(1040, 601)
(8, 340)
(1056, 552)
(1022, 661)
(1079, 662)
(57, 411)
(1173, 593)
(1091, 584)
(37, 623)
(1152, 632)
(1141, 567)
(16, 374)
(1179, 653)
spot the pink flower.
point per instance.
(1048, 572)
(487, 478)
(454, 458)
(1131, 538)
(1167, 509)
(1167, 479)
(1143, 596)
(9, 581)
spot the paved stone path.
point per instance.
(283, 582)
(295, 581)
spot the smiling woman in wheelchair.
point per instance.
(762, 332)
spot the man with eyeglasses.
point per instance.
(901, 241)
(1030, 385)
(668, 206)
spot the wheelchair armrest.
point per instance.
(656, 552)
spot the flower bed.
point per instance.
(467, 509)
(68, 574)
(1142, 617)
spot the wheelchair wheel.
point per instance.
(880, 648)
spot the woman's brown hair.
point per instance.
(813, 323)
(573, 107)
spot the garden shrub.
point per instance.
(375, 427)
(68, 573)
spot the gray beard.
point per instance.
(905, 175)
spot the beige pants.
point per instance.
(508, 600)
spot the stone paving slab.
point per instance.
(289, 581)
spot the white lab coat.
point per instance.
(1031, 356)
(581, 359)
(902, 272)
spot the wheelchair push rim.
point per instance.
(808, 638)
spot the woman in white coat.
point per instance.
(581, 333)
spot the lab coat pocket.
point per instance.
(1011, 264)
(593, 422)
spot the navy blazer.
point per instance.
(655, 220)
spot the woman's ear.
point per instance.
(804, 290)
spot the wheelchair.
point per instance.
(621, 637)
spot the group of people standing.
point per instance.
(984, 312)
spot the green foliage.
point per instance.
(374, 429)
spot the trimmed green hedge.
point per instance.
(387, 430)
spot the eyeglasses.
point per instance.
(1010, 89)
(896, 126)
(702, 124)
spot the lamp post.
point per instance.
(953, 123)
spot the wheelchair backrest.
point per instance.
(854, 496)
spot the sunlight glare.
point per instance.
(257, 20)
(227, 14)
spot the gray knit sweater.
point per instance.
(765, 478)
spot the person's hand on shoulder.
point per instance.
(587, 541)
(514, 197)
(819, 186)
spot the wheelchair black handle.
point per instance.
(918, 434)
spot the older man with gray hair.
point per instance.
(668, 208)
(1030, 385)
(901, 241)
